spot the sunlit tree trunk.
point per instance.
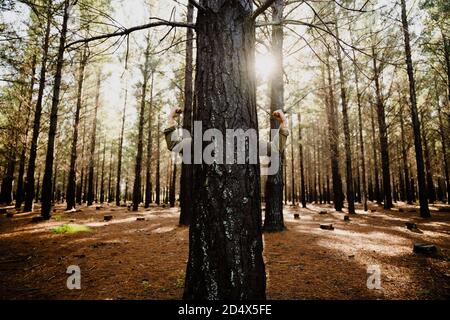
(273, 218)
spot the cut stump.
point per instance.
(107, 218)
(326, 227)
(424, 248)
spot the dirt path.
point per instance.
(130, 259)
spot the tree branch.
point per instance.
(197, 5)
(127, 31)
(262, 8)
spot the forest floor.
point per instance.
(130, 259)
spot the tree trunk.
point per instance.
(431, 192)
(90, 182)
(376, 189)
(72, 180)
(405, 160)
(20, 180)
(158, 165)
(301, 160)
(172, 189)
(383, 136)
(345, 122)
(424, 211)
(362, 156)
(119, 156)
(186, 182)
(334, 137)
(444, 149)
(47, 182)
(225, 239)
(148, 176)
(140, 142)
(29, 184)
(273, 218)
(102, 178)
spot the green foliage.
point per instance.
(70, 229)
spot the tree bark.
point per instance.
(186, 182)
(362, 156)
(273, 217)
(72, 180)
(158, 165)
(47, 182)
(424, 210)
(345, 121)
(119, 156)
(20, 178)
(148, 176)
(302, 165)
(405, 160)
(140, 143)
(90, 183)
(334, 137)
(225, 238)
(383, 136)
(30, 182)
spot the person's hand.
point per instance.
(280, 117)
(173, 115)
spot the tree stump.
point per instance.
(347, 218)
(327, 226)
(98, 207)
(323, 212)
(296, 216)
(107, 218)
(423, 248)
(140, 219)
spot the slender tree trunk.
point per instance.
(292, 162)
(90, 182)
(72, 180)
(334, 137)
(444, 150)
(148, 176)
(110, 192)
(383, 135)
(172, 189)
(431, 192)
(102, 178)
(405, 159)
(186, 182)
(119, 156)
(345, 121)
(273, 218)
(424, 211)
(20, 180)
(81, 184)
(47, 183)
(29, 184)
(301, 160)
(225, 239)
(158, 165)
(362, 156)
(140, 143)
(376, 189)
